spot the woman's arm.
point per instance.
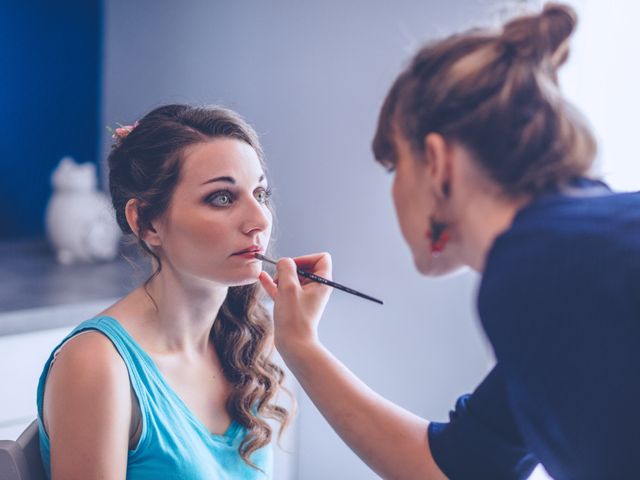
(392, 441)
(87, 410)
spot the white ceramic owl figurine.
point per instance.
(80, 222)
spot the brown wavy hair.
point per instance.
(495, 92)
(144, 164)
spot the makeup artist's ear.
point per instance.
(439, 161)
(150, 235)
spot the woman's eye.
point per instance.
(221, 199)
(263, 195)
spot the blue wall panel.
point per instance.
(50, 66)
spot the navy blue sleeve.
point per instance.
(481, 439)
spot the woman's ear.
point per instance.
(439, 163)
(149, 236)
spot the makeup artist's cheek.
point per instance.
(399, 202)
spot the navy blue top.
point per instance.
(560, 303)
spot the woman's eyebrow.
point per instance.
(228, 180)
(220, 179)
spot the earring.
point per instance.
(438, 236)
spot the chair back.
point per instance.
(20, 459)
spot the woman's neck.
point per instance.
(186, 311)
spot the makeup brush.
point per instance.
(324, 281)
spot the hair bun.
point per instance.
(542, 36)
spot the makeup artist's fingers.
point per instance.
(298, 305)
(268, 284)
(286, 274)
(317, 263)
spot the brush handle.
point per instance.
(319, 279)
(324, 281)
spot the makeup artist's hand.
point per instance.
(298, 302)
(390, 439)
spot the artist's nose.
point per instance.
(257, 217)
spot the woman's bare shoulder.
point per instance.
(91, 351)
(87, 371)
(87, 409)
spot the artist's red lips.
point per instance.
(253, 249)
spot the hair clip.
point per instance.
(121, 132)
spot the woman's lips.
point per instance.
(251, 254)
(248, 252)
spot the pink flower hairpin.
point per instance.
(122, 131)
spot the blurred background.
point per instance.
(310, 77)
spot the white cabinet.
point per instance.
(22, 357)
(21, 360)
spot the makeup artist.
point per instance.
(492, 170)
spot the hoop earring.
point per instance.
(438, 236)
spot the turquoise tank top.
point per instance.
(173, 443)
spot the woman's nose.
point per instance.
(257, 217)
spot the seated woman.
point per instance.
(174, 380)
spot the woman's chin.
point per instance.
(247, 276)
(242, 283)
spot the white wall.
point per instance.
(602, 78)
(310, 76)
